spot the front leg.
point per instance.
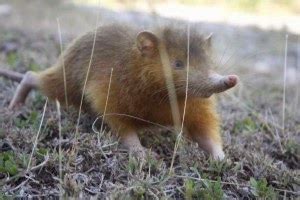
(204, 129)
(131, 142)
(212, 146)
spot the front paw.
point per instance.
(138, 152)
(143, 154)
(217, 153)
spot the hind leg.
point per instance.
(30, 81)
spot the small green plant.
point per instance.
(30, 120)
(152, 163)
(190, 189)
(5, 197)
(132, 165)
(292, 147)
(211, 190)
(139, 192)
(245, 125)
(8, 163)
(42, 152)
(33, 66)
(24, 160)
(38, 100)
(218, 166)
(12, 60)
(260, 189)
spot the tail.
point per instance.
(14, 76)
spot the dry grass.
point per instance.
(261, 161)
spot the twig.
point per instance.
(20, 185)
(276, 131)
(37, 136)
(26, 172)
(284, 84)
(185, 100)
(32, 179)
(63, 62)
(164, 56)
(41, 164)
(86, 79)
(297, 77)
(59, 148)
(15, 76)
(107, 96)
(137, 118)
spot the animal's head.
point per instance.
(173, 50)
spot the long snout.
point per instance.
(220, 83)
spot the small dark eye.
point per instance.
(178, 64)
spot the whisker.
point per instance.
(242, 59)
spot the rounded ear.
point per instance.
(147, 43)
(208, 40)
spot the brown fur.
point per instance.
(138, 83)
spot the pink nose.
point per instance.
(231, 80)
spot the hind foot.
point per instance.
(29, 82)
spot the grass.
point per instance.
(121, 176)
(256, 167)
(8, 163)
(206, 190)
(260, 189)
(12, 60)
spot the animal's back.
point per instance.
(69, 73)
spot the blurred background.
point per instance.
(255, 29)
(249, 35)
